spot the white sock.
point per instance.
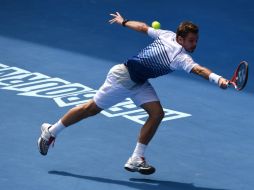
(56, 128)
(139, 150)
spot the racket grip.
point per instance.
(231, 84)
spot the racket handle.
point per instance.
(230, 83)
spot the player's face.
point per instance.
(190, 42)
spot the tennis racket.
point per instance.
(240, 76)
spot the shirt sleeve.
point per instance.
(155, 33)
(184, 62)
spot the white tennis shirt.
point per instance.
(164, 55)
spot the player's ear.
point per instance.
(180, 39)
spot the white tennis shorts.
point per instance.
(118, 86)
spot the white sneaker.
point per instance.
(139, 164)
(45, 139)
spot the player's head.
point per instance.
(187, 35)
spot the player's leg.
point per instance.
(110, 93)
(74, 115)
(145, 97)
(80, 112)
(155, 115)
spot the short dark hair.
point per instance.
(185, 28)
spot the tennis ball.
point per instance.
(156, 25)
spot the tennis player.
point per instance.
(168, 52)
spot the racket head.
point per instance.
(240, 76)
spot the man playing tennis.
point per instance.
(168, 52)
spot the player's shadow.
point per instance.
(141, 184)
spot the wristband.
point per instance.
(214, 78)
(124, 22)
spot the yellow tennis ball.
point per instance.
(156, 25)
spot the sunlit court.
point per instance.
(56, 55)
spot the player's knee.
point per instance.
(161, 114)
(157, 114)
(90, 109)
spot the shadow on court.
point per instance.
(142, 184)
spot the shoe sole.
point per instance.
(130, 170)
(38, 145)
(141, 171)
(43, 128)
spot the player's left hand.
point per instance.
(223, 83)
(117, 18)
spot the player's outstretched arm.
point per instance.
(209, 75)
(135, 25)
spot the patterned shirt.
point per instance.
(162, 56)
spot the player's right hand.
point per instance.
(117, 18)
(223, 83)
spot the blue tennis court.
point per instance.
(56, 54)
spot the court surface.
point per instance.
(56, 54)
